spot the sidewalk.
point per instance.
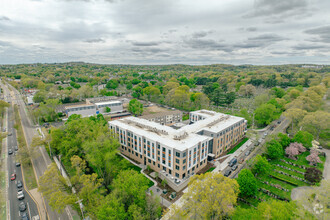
(222, 166)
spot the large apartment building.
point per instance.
(165, 118)
(183, 152)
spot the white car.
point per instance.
(20, 194)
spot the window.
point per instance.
(184, 167)
(158, 165)
(177, 175)
(177, 154)
(184, 154)
(184, 161)
(177, 160)
(170, 171)
(149, 161)
(177, 167)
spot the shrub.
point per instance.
(313, 175)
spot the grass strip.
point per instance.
(238, 145)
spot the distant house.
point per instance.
(85, 110)
(115, 106)
(30, 100)
(58, 83)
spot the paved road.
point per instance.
(14, 212)
(43, 160)
(259, 150)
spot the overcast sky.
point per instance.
(165, 31)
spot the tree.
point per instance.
(274, 149)
(299, 147)
(261, 165)
(283, 139)
(278, 92)
(247, 183)
(273, 209)
(209, 196)
(313, 159)
(130, 187)
(3, 105)
(316, 122)
(313, 175)
(247, 90)
(55, 188)
(107, 109)
(111, 208)
(199, 100)
(305, 138)
(40, 96)
(169, 86)
(135, 107)
(218, 96)
(292, 152)
(112, 84)
(296, 115)
(265, 114)
(230, 97)
(46, 111)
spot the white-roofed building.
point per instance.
(181, 152)
(115, 106)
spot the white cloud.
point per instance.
(164, 31)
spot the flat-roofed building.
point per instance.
(181, 152)
(115, 106)
(84, 110)
(164, 118)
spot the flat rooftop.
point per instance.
(160, 133)
(108, 102)
(182, 138)
(77, 106)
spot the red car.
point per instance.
(13, 176)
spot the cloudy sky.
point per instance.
(165, 31)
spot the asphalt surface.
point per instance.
(259, 150)
(41, 162)
(31, 207)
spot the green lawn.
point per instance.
(238, 146)
(301, 160)
(210, 170)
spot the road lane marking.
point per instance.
(19, 213)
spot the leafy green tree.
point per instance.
(305, 138)
(316, 122)
(137, 92)
(3, 105)
(247, 183)
(46, 111)
(278, 92)
(230, 98)
(111, 208)
(274, 149)
(135, 107)
(209, 196)
(40, 96)
(261, 165)
(265, 114)
(218, 96)
(283, 139)
(296, 115)
(55, 189)
(107, 109)
(112, 84)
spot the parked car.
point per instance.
(279, 122)
(20, 194)
(10, 134)
(22, 207)
(19, 184)
(241, 160)
(265, 134)
(25, 216)
(17, 164)
(16, 148)
(232, 162)
(227, 173)
(234, 167)
(13, 177)
(10, 152)
(247, 153)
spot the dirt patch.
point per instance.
(154, 110)
(206, 168)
